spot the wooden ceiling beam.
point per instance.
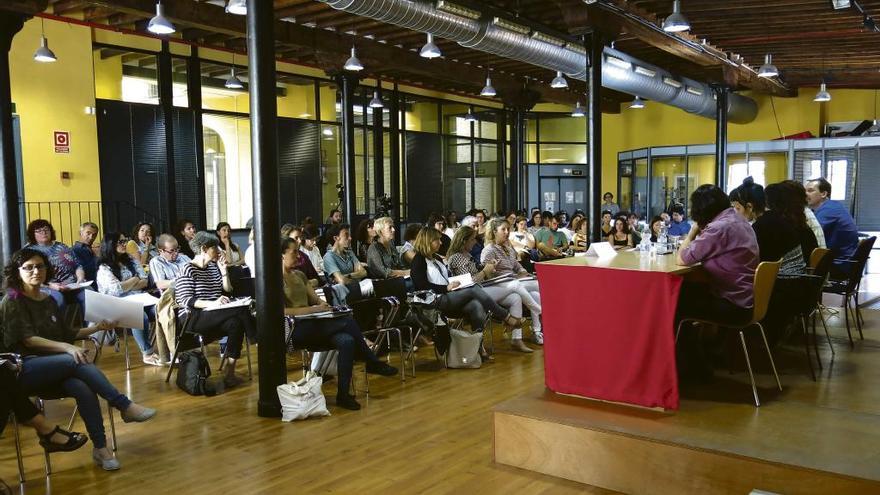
(27, 7)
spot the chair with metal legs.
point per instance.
(18, 454)
(848, 287)
(765, 278)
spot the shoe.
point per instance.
(152, 360)
(538, 338)
(74, 441)
(347, 402)
(381, 368)
(485, 356)
(111, 464)
(512, 321)
(519, 345)
(145, 415)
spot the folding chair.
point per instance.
(765, 278)
(306, 352)
(386, 327)
(848, 288)
(18, 455)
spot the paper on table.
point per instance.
(235, 303)
(601, 249)
(78, 285)
(143, 298)
(465, 280)
(128, 314)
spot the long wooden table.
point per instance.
(608, 326)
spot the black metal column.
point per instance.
(507, 202)
(166, 102)
(378, 152)
(594, 48)
(347, 85)
(394, 148)
(722, 93)
(194, 90)
(517, 148)
(10, 224)
(264, 160)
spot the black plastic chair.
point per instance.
(848, 287)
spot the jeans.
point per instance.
(142, 337)
(471, 304)
(342, 334)
(60, 375)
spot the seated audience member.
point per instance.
(521, 239)
(341, 266)
(561, 219)
(621, 238)
(335, 218)
(838, 225)
(310, 247)
(607, 227)
(788, 199)
(471, 303)
(472, 222)
(499, 252)
(505, 294)
(438, 223)
(480, 227)
(65, 266)
(364, 235)
(250, 255)
(725, 244)
(536, 222)
(233, 254)
(14, 400)
(303, 262)
(451, 223)
(184, 231)
(510, 216)
(551, 243)
(201, 285)
(814, 224)
(342, 334)
(609, 205)
(166, 267)
(632, 221)
(657, 226)
(34, 327)
(666, 218)
(580, 241)
(140, 247)
(383, 259)
(679, 226)
(407, 251)
(119, 276)
(85, 251)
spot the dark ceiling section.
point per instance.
(809, 40)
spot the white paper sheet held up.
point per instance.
(142, 298)
(127, 314)
(78, 285)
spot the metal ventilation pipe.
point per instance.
(619, 71)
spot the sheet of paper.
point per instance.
(78, 285)
(143, 298)
(235, 303)
(127, 314)
(601, 249)
(465, 280)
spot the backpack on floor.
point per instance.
(193, 371)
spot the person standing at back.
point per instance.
(841, 234)
(608, 204)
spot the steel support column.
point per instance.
(594, 47)
(347, 85)
(517, 156)
(194, 91)
(166, 102)
(394, 148)
(378, 153)
(10, 224)
(722, 94)
(264, 160)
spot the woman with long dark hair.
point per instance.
(364, 236)
(620, 237)
(184, 231)
(234, 254)
(119, 276)
(142, 246)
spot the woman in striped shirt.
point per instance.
(201, 285)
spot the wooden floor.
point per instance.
(432, 434)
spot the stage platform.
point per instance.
(813, 438)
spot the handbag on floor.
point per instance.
(464, 349)
(193, 371)
(302, 399)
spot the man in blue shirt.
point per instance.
(679, 226)
(841, 234)
(84, 252)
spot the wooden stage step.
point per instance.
(706, 448)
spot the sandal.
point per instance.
(512, 321)
(74, 441)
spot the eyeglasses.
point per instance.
(171, 251)
(44, 230)
(122, 242)
(32, 268)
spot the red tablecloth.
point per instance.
(608, 334)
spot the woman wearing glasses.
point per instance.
(119, 275)
(66, 267)
(33, 327)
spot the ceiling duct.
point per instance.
(639, 79)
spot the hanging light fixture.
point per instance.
(237, 7)
(637, 103)
(469, 116)
(353, 64)
(488, 90)
(823, 95)
(43, 53)
(430, 50)
(768, 69)
(159, 24)
(676, 22)
(559, 81)
(233, 82)
(578, 110)
(376, 102)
